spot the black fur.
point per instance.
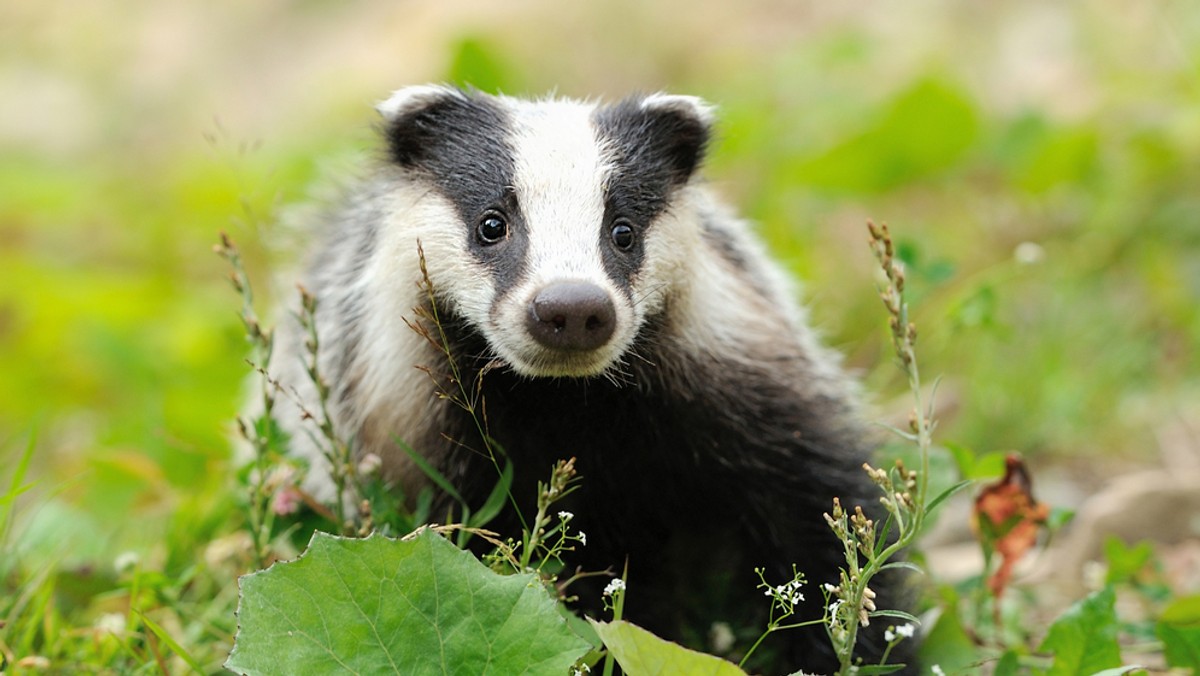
(459, 141)
(697, 473)
(654, 151)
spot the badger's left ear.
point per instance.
(663, 130)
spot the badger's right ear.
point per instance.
(410, 119)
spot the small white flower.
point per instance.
(369, 464)
(721, 638)
(126, 561)
(1028, 253)
(830, 588)
(936, 670)
(583, 538)
(906, 630)
(889, 636)
(834, 608)
(614, 586)
(566, 516)
(111, 623)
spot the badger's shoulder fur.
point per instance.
(613, 310)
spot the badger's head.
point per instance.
(554, 228)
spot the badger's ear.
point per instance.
(411, 119)
(686, 125)
(671, 132)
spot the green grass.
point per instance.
(121, 350)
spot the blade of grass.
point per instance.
(430, 471)
(15, 488)
(171, 642)
(496, 500)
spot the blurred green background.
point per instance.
(1040, 163)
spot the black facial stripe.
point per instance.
(653, 153)
(460, 143)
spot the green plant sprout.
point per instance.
(869, 550)
(260, 430)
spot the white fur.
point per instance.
(560, 175)
(411, 98)
(692, 105)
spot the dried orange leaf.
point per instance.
(1007, 519)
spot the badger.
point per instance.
(604, 305)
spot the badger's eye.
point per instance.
(492, 228)
(622, 234)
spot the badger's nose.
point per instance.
(574, 316)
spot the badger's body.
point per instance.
(622, 317)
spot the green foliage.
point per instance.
(976, 466)
(16, 486)
(1125, 562)
(416, 606)
(476, 62)
(640, 652)
(1179, 629)
(923, 130)
(1083, 639)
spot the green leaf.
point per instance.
(947, 643)
(1084, 638)
(495, 501)
(1179, 629)
(924, 130)
(941, 497)
(903, 564)
(988, 466)
(378, 605)
(1008, 664)
(1125, 562)
(1063, 155)
(897, 614)
(964, 458)
(640, 652)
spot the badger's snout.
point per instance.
(571, 316)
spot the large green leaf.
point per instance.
(641, 653)
(388, 606)
(1084, 638)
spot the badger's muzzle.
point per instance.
(571, 316)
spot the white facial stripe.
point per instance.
(559, 178)
(559, 184)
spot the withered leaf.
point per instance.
(1007, 519)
